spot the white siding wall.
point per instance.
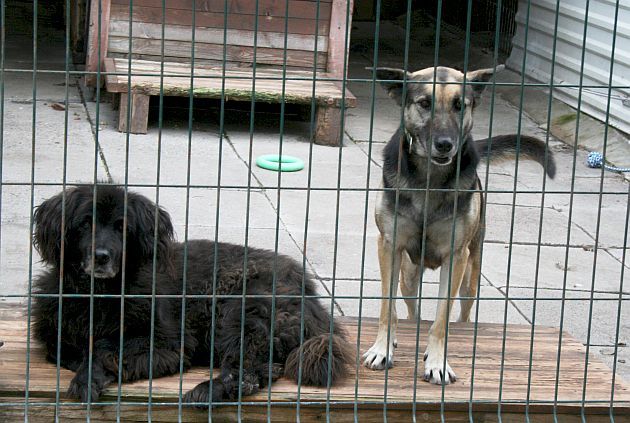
(568, 58)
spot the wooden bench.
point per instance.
(304, 35)
(370, 385)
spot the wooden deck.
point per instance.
(238, 85)
(370, 392)
(271, 86)
(297, 37)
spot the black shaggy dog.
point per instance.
(93, 245)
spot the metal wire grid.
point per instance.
(119, 403)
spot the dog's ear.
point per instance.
(48, 224)
(481, 75)
(392, 81)
(147, 221)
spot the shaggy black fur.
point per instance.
(144, 222)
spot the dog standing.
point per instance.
(92, 261)
(437, 124)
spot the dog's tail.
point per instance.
(316, 359)
(504, 147)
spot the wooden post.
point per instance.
(93, 57)
(328, 126)
(115, 100)
(337, 49)
(77, 24)
(328, 129)
(139, 119)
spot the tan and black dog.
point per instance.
(435, 150)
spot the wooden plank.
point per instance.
(97, 49)
(238, 37)
(370, 384)
(258, 413)
(297, 8)
(237, 85)
(205, 62)
(216, 20)
(337, 46)
(182, 60)
(110, 80)
(265, 92)
(155, 66)
(138, 120)
(260, 67)
(294, 58)
(149, 66)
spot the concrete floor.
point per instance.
(340, 244)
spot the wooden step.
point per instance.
(363, 391)
(148, 78)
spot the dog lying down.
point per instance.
(94, 246)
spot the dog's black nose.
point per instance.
(443, 145)
(101, 256)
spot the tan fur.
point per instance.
(460, 268)
(425, 229)
(436, 128)
(464, 270)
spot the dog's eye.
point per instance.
(87, 223)
(425, 103)
(457, 105)
(118, 225)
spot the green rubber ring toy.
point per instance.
(280, 163)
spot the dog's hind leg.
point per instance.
(224, 387)
(409, 281)
(436, 368)
(381, 354)
(255, 360)
(470, 284)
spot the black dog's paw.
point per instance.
(78, 389)
(222, 390)
(199, 394)
(277, 370)
(79, 386)
(249, 386)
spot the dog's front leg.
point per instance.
(436, 368)
(381, 354)
(104, 370)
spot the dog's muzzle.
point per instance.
(442, 161)
(442, 151)
(104, 266)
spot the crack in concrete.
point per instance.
(524, 206)
(508, 300)
(94, 130)
(604, 248)
(542, 244)
(597, 291)
(285, 228)
(45, 100)
(358, 144)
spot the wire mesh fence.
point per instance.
(138, 124)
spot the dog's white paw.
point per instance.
(379, 356)
(436, 370)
